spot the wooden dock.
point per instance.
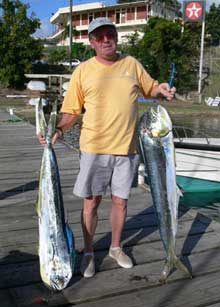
(20, 283)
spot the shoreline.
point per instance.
(176, 108)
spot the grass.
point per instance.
(180, 108)
(213, 89)
(21, 108)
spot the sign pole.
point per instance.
(194, 11)
(201, 60)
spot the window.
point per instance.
(90, 17)
(117, 17)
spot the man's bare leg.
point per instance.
(89, 219)
(118, 216)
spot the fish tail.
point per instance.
(173, 262)
(179, 265)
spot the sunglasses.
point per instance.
(99, 37)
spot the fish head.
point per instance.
(56, 272)
(58, 283)
(155, 122)
(59, 277)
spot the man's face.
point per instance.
(104, 41)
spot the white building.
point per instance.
(127, 17)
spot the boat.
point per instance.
(197, 167)
(196, 157)
(213, 102)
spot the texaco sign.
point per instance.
(193, 10)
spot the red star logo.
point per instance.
(193, 10)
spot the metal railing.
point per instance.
(181, 133)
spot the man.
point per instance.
(107, 86)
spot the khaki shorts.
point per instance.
(98, 172)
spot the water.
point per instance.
(202, 125)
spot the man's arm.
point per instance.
(66, 122)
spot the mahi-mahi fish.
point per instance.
(56, 241)
(157, 148)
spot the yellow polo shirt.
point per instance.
(109, 95)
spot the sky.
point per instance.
(45, 8)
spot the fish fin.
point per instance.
(71, 244)
(179, 265)
(52, 121)
(180, 191)
(37, 207)
(169, 265)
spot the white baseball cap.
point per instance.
(99, 22)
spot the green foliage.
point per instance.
(66, 32)
(81, 51)
(88, 53)
(58, 54)
(129, 47)
(164, 43)
(18, 49)
(213, 25)
(168, 2)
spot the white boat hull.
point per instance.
(198, 163)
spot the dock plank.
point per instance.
(199, 292)
(140, 279)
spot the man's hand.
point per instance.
(57, 135)
(166, 91)
(41, 139)
(66, 122)
(43, 142)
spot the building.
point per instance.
(127, 17)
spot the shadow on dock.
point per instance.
(32, 185)
(192, 239)
(189, 244)
(133, 236)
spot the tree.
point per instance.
(129, 47)
(66, 31)
(18, 49)
(164, 43)
(81, 51)
(167, 2)
(213, 24)
(58, 54)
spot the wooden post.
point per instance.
(201, 61)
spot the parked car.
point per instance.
(75, 62)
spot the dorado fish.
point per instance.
(157, 148)
(56, 242)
